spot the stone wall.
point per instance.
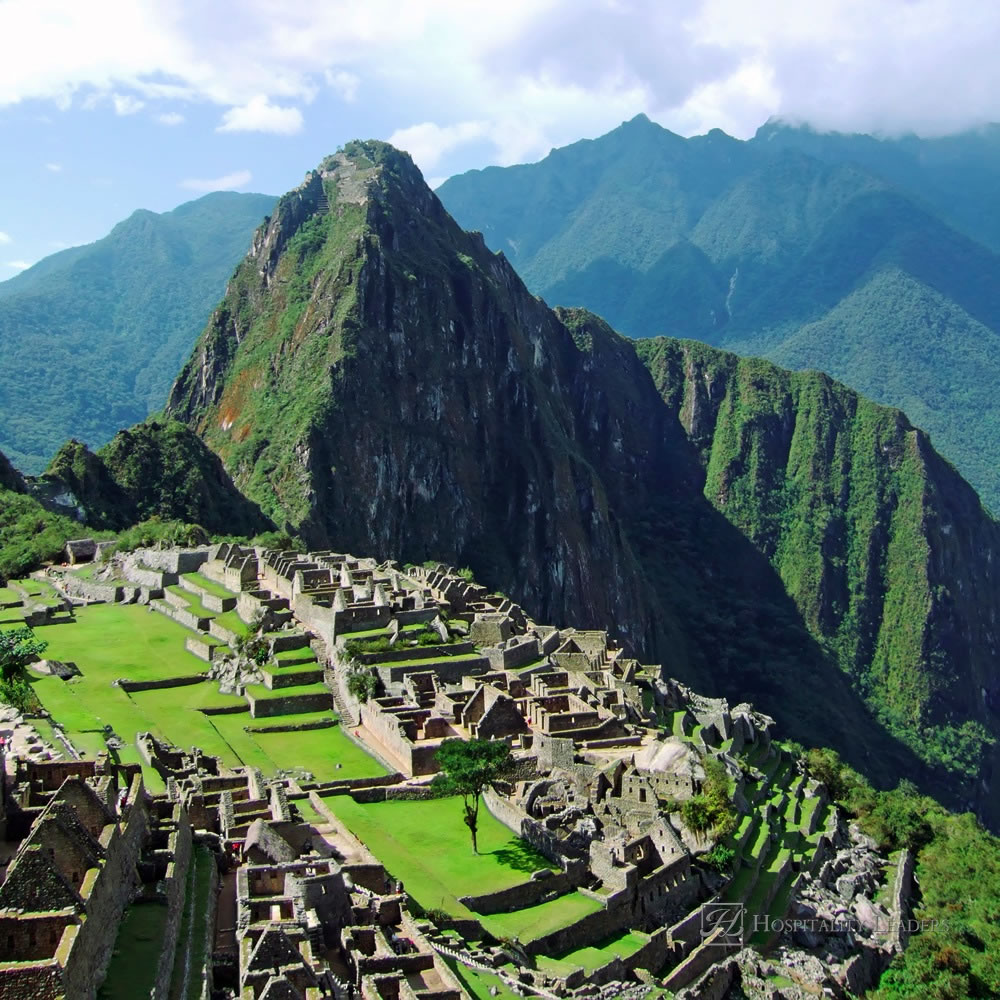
(517, 820)
(173, 561)
(542, 885)
(108, 593)
(175, 890)
(902, 889)
(290, 705)
(163, 682)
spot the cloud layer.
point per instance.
(514, 79)
(227, 182)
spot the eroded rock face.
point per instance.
(379, 381)
(10, 478)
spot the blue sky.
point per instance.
(107, 106)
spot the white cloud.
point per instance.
(59, 244)
(4, 238)
(18, 265)
(227, 182)
(528, 74)
(427, 143)
(344, 83)
(54, 168)
(126, 104)
(171, 118)
(259, 115)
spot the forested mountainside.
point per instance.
(153, 470)
(872, 260)
(378, 380)
(99, 332)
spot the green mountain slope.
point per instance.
(843, 260)
(98, 332)
(153, 470)
(877, 540)
(378, 381)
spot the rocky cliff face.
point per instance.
(885, 549)
(379, 381)
(10, 478)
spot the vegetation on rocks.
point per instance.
(957, 954)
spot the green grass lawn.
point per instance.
(8, 596)
(426, 844)
(109, 641)
(231, 620)
(308, 811)
(209, 586)
(593, 957)
(737, 888)
(536, 921)
(477, 983)
(262, 693)
(132, 970)
(320, 751)
(192, 602)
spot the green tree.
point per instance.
(362, 683)
(18, 648)
(468, 768)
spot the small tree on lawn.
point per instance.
(18, 648)
(468, 768)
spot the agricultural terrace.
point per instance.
(108, 642)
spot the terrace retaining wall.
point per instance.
(163, 682)
(536, 890)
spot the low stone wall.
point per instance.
(226, 710)
(173, 560)
(289, 640)
(151, 578)
(291, 727)
(221, 633)
(286, 677)
(163, 682)
(529, 893)
(175, 889)
(520, 823)
(202, 648)
(107, 593)
(583, 932)
(416, 653)
(714, 984)
(290, 704)
(902, 889)
(345, 786)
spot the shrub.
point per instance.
(362, 683)
(720, 858)
(17, 691)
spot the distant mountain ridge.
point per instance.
(861, 257)
(93, 336)
(377, 380)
